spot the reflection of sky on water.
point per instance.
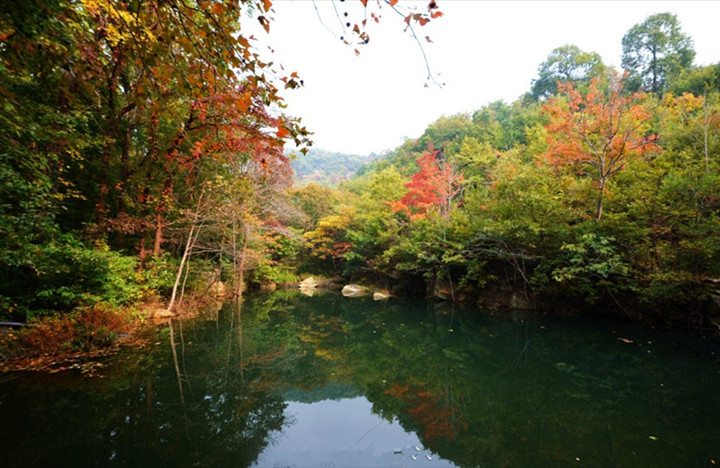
(344, 433)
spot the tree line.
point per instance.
(598, 189)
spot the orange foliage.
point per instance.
(598, 132)
(50, 341)
(434, 185)
(437, 418)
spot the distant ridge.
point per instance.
(326, 168)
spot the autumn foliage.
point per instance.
(597, 133)
(438, 419)
(434, 185)
(53, 342)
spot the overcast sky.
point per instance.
(482, 50)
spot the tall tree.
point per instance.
(655, 51)
(566, 63)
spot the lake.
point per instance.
(327, 381)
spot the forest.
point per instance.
(326, 168)
(144, 149)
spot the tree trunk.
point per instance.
(159, 221)
(160, 213)
(189, 244)
(186, 254)
(601, 197)
(241, 264)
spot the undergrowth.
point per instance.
(51, 341)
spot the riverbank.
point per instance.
(81, 339)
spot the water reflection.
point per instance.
(291, 380)
(345, 433)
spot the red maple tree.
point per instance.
(434, 185)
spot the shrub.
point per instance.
(66, 274)
(88, 329)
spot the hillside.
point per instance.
(326, 168)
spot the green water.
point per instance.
(331, 381)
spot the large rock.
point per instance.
(354, 290)
(381, 295)
(308, 286)
(160, 313)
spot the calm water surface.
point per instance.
(294, 381)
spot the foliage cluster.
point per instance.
(44, 342)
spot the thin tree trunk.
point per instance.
(186, 254)
(183, 260)
(175, 362)
(601, 197)
(157, 244)
(241, 264)
(106, 156)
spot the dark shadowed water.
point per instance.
(295, 381)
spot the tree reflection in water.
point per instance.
(477, 390)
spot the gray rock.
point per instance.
(308, 286)
(308, 283)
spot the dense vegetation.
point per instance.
(140, 141)
(326, 168)
(129, 133)
(597, 190)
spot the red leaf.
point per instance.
(393, 2)
(282, 132)
(217, 9)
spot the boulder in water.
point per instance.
(354, 290)
(381, 295)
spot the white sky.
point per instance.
(482, 50)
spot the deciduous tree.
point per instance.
(565, 64)
(435, 185)
(655, 51)
(597, 132)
